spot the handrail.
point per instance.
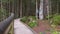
(10, 29)
(4, 24)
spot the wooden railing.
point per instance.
(6, 26)
(10, 29)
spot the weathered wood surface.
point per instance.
(20, 28)
(9, 30)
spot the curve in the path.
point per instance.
(20, 28)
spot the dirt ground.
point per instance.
(43, 26)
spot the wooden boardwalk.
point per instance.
(20, 28)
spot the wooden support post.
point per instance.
(10, 29)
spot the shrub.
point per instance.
(50, 16)
(24, 19)
(3, 13)
(54, 32)
(56, 20)
(32, 23)
(33, 17)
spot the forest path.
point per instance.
(20, 28)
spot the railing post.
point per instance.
(10, 29)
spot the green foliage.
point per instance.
(32, 24)
(3, 13)
(50, 16)
(24, 19)
(51, 32)
(33, 17)
(40, 33)
(56, 20)
(5, 1)
(31, 21)
(54, 32)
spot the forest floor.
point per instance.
(43, 28)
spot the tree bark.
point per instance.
(20, 8)
(41, 16)
(37, 12)
(28, 7)
(57, 7)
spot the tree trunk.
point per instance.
(41, 16)
(37, 13)
(57, 7)
(20, 8)
(50, 7)
(28, 7)
(45, 5)
(48, 10)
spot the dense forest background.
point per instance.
(26, 7)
